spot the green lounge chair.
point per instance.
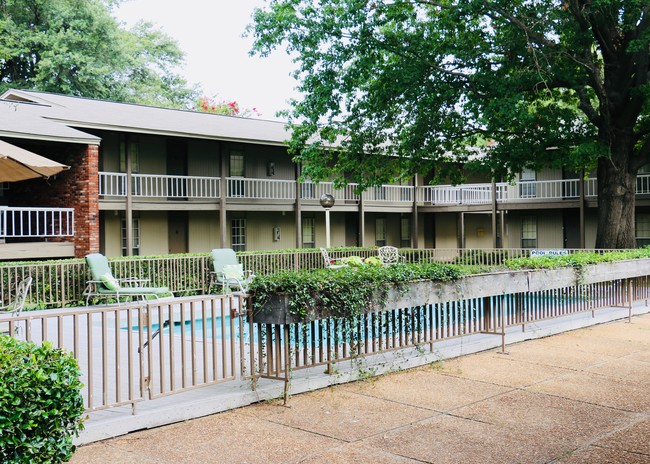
(104, 285)
(228, 272)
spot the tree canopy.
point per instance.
(75, 47)
(554, 83)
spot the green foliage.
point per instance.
(78, 48)
(575, 260)
(40, 403)
(402, 88)
(345, 291)
(354, 261)
(373, 261)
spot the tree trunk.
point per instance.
(616, 200)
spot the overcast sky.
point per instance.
(210, 34)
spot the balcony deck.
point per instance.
(29, 233)
(196, 193)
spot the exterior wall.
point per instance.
(393, 232)
(549, 174)
(591, 227)
(549, 229)
(110, 152)
(152, 151)
(203, 158)
(258, 157)
(478, 230)
(112, 232)
(446, 230)
(153, 233)
(337, 230)
(203, 231)
(259, 230)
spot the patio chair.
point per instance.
(104, 285)
(228, 272)
(389, 255)
(17, 304)
(332, 263)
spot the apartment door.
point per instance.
(571, 229)
(177, 169)
(177, 222)
(351, 229)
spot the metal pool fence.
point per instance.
(136, 351)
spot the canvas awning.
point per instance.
(17, 164)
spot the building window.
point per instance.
(237, 164)
(135, 154)
(527, 184)
(405, 232)
(380, 231)
(308, 233)
(642, 225)
(529, 232)
(237, 169)
(238, 234)
(135, 237)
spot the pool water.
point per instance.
(202, 328)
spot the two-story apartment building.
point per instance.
(146, 180)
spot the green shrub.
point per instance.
(346, 291)
(575, 260)
(40, 402)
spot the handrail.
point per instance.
(21, 222)
(167, 186)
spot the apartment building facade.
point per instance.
(152, 181)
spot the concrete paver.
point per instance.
(564, 399)
(500, 369)
(427, 388)
(598, 389)
(341, 414)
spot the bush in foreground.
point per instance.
(40, 402)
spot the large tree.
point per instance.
(405, 87)
(76, 47)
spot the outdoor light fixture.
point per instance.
(327, 201)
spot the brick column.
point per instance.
(83, 195)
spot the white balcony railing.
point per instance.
(472, 194)
(241, 187)
(390, 194)
(313, 191)
(17, 222)
(156, 186)
(163, 186)
(548, 190)
(159, 186)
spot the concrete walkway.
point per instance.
(578, 397)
